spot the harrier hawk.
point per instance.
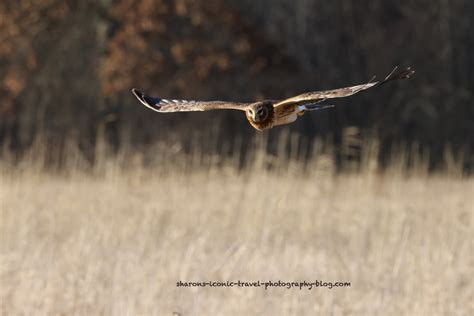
(268, 113)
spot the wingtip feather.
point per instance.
(404, 74)
(394, 75)
(138, 94)
(147, 101)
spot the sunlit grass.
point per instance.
(115, 240)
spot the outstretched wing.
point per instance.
(318, 96)
(166, 106)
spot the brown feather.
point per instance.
(274, 112)
(318, 96)
(166, 106)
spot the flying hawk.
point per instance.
(268, 113)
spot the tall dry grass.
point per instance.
(115, 239)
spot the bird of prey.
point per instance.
(268, 113)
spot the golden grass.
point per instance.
(116, 242)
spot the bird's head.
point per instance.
(260, 112)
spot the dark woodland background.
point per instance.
(67, 67)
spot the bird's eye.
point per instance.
(260, 111)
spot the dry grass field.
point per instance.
(117, 241)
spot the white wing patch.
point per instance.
(175, 101)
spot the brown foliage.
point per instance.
(20, 22)
(182, 41)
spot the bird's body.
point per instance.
(266, 114)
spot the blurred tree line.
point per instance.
(67, 67)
